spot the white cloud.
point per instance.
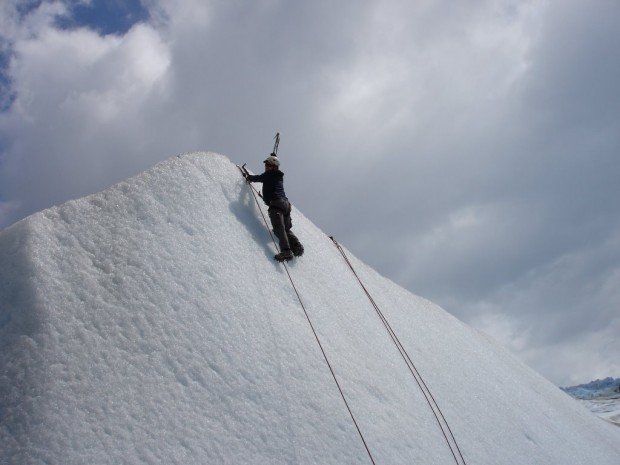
(58, 68)
(581, 358)
(584, 357)
(15, 27)
(561, 318)
(79, 110)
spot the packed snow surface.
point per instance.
(149, 324)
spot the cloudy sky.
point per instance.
(470, 151)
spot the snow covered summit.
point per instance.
(148, 324)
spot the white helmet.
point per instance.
(272, 160)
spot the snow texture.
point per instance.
(149, 324)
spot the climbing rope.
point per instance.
(430, 399)
(254, 194)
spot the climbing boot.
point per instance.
(284, 256)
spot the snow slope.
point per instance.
(148, 323)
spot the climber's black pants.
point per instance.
(280, 216)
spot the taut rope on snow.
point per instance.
(441, 421)
(254, 194)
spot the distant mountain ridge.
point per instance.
(601, 397)
(596, 388)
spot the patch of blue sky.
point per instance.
(104, 16)
(26, 6)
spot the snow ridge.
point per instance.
(148, 323)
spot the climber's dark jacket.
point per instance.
(273, 185)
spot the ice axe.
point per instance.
(244, 169)
(275, 146)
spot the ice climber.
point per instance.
(279, 208)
